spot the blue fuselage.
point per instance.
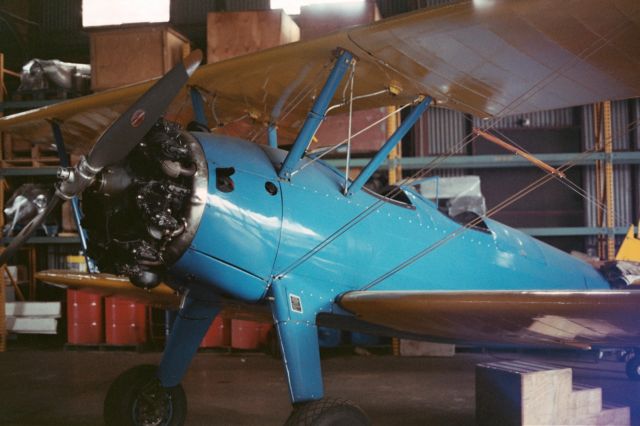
(250, 236)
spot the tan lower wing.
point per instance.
(162, 296)
(111, 285)
(555, 318)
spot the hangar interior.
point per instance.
(55, 341)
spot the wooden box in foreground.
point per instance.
(130, 54)
(232, 34)
(526, 393)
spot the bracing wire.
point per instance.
(302, 94)
(344, 141)
(351, 81)
(570, 184)
(588, 51)
(469, 225)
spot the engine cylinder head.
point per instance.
(142, 214)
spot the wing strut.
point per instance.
(198, 107)
(273, 135)
(316, 115)
(397, 136)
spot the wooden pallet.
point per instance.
(103, 347)
(19, 153)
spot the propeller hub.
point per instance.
(65, 173)
(75, 180)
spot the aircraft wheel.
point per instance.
(328, 412)
(633, 368)
(137, 398)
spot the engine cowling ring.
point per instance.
(197, 202)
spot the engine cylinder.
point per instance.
(142, 214)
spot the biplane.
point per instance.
(200, 218)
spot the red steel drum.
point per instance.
(219, 334)
(125, 322)
(245, 334)
(84, 318)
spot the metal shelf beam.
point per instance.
(47, 240)
(496, 161)
(29, 171)
(572, 231)
(24, 105)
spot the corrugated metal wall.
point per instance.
(192, 11)
(394, 7)
(634, 126)
(234, 5)
(60, 15)
(195, 11)
(634, 130)
(59, 34)
(554, 119)
(441, 131)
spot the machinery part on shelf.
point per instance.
(25, 204)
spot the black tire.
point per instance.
(633, 368)
(124, 406)
(328, 412)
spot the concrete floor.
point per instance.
(53, 387)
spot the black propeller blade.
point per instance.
(125, 133)
(114, 144)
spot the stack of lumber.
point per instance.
(530, 393)
(32, 317)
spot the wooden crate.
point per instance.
(232, 34)
(136, 53)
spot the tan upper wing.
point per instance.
(554, 318)
(486, 57)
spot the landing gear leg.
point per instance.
(296, 324)
(152, 395)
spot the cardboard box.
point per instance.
(76, 263)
